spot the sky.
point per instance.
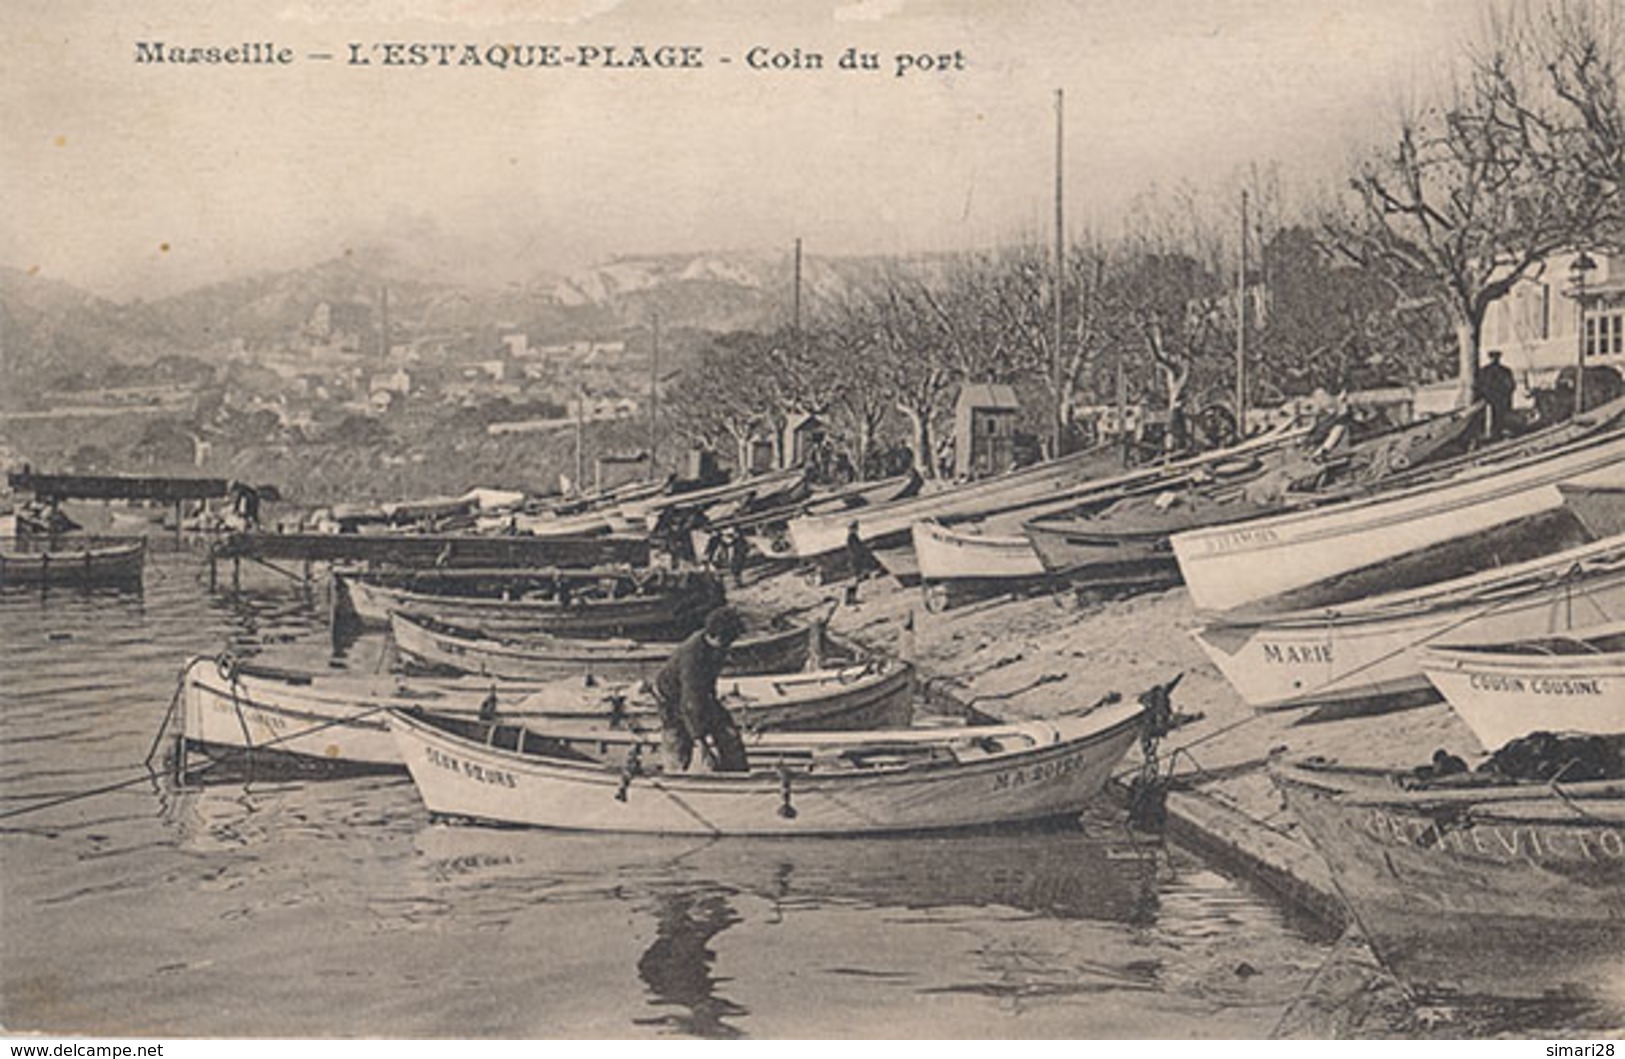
(135, 179)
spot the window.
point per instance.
(1605, 333)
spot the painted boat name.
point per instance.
(1238, 539)
(1296, 654)
(1043, 772)
(470, 769)
(1498, 841)
(1536, 686)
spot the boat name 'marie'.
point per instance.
(470, 769)
(1536, 685)
(1296, 654)
(1240, 539)
(1043, 772)
(1499, 842)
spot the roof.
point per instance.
(988, 395)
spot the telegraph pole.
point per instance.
(1060, 264)
(1241, 329)
(654, 391)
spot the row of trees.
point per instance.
(1387, 282)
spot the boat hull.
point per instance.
(1472, 899)
(1506, 692)
(515, 657)
(1367, 652)
(944, 554)
(1246, 563)
(341, 721)
(111, 565)
(461, 777)
(665, 616)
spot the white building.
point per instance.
(1537, 327)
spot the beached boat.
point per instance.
(839, 783)
(1248, 563)
(1128, 542)
(441, 645)
(812, 536)
(238, 707)
(764, 529)
(1573, 682)
(1479, 894)
(946, 553)
(763, 490)
(657, 609)
(1365, 650)
(38, 563)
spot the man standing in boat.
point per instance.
(686, 692)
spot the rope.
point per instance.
(214, 762)
(1566, 580)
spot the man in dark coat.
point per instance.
(686, 692)
(1494, 387)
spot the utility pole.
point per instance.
(1060, 264)
(581, 430)
(795, 309)
(654, 391)
(1241, 329)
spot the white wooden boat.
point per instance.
(812, 536)
(762, 488)
(839, 783)
(537, 656)
(947, 553)
(1574, 682)
(1479, 895)
(90, 564)
(1600, 509)
(659, 610)
(1365, 650)
(225, 704)
(1241, 564)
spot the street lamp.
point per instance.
(1577, 271)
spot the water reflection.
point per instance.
(677, 965)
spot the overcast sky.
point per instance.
(141, 179)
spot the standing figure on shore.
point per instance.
(686, 693)
(1494, 387)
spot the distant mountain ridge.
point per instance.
(49, 328)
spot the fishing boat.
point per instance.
(1574, 682)
(1128, 542)
(37, 563)
(949, 558)
(235, 706)
(535, 656)
(1247, 563)
(1476, 894)
(764, 529)
(666, 607)
(763, 490)
(837, 783)
(813, 536)
(1365, 651)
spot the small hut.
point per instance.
(985, 429)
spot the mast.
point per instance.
(1241, 329)
(654, 390)
(1060, 262)
(795, 310)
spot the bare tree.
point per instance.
(1474, 197)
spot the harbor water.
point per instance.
(270, 906)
